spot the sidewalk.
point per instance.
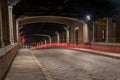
(25, 67)
(108, 54)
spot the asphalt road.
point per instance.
(63, 64)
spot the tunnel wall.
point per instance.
(7, 58)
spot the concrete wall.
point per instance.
(7, 55)
(102, 26)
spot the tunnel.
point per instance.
(59, 39)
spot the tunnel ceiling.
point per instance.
(68, 8)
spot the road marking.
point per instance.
(44, 71)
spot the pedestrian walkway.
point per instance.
(25, 67)
(113, 55)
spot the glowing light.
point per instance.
(60, 45)
(65, 45)
(88, 17)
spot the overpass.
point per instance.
(87, 26)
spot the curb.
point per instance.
(97, 53)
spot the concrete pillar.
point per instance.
(50, 40)
(5, 23)
(95, 25)
(1, 32)
(17, 30)
(72, 33)
(67, 36)
(0, 35)
(76, 30)
(85, 33)
(45, 41)
(14, 29)
(109, 30)
(58, 37)
(11, 24)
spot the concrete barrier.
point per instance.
(7, 55)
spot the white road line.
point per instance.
(47, 75)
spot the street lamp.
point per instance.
(88, 17)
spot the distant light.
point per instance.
(88, 17)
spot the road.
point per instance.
(64, 64)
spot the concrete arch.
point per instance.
(52, 19)
(71, 22)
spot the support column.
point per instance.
(5, 23)
(1, 32)
(76, 31)
(1, 36)
(67, 35)
(50, 40)
(72, 37)
(14, 29)
(58, 37)
(11, 24)
(17, 30)
(94, 39)
(85, 33)
(45, 41)
(109, 30)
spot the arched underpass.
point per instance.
(59, 40)
(49, 25)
